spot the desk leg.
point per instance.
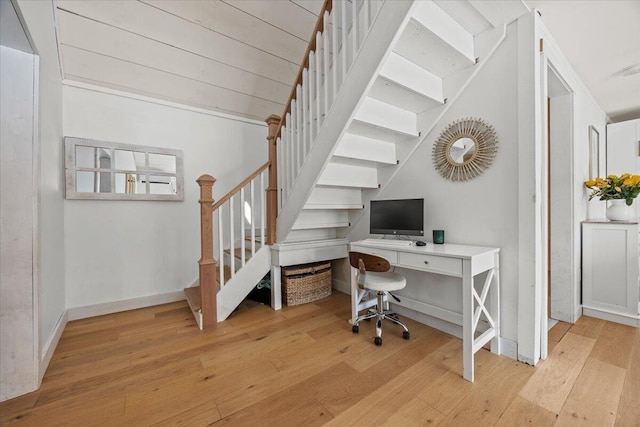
(276, 288)
(354, 295)
(467, 320)
(495, 305)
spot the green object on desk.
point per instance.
(438, 237)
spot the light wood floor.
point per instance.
(303, 366)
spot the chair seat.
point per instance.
(385, 282)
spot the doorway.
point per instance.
(560, 291)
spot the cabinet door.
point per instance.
(610, 267)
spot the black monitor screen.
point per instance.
(404, 217)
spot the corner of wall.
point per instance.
(48, 349)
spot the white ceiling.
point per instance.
(600, 38)
(242, 56)
(235, 56)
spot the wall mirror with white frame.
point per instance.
(115, 171)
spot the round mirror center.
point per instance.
(462, 150)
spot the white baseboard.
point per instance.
(86, 311)
(622, 318)
(509, 348)
(46, 352)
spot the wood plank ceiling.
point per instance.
(234, 56)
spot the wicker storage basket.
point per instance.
(306, 283)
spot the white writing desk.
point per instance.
(461, 261)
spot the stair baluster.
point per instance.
(334, 46)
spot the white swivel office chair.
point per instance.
(374, 276)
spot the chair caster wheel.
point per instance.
(355, 329)
(377, 341)
(405, 335)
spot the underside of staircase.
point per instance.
(377, 78)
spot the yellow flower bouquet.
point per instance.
(625, 187)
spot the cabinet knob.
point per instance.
(426, 262)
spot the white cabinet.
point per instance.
(610, 271)
(623, 150)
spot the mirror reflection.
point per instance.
(124, 160)
(93, 182)
(85, 156)
(162, 184)
(129, 183)
(162, 163)
(462, 150)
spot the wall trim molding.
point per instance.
(46, 352)
(129, 95)
(83, 312)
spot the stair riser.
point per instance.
(338, 197)
(311, 219)
(405, 73)
(381, 114)
(368, 149)
(340, 175)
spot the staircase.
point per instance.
(376, 79)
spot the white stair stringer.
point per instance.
(244, 280)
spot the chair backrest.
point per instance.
(368, 262)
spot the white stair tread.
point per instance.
(430, 52)
(465, 14)
(320, 225)
(342, 175)
(381, 114)
(376, 132)
(442, 25)
(364, 148)
(333, 206)
(395, 94)
(411, 76)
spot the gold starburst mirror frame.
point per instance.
(465, 149)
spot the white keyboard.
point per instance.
(388, 242)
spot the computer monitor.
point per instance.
(397, 217)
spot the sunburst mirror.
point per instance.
(465, 149)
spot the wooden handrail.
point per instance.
(326, 7)
(238, 187)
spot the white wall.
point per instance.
(39, 17)
(119, 250)
(481, 212)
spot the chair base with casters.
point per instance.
(374, 276)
